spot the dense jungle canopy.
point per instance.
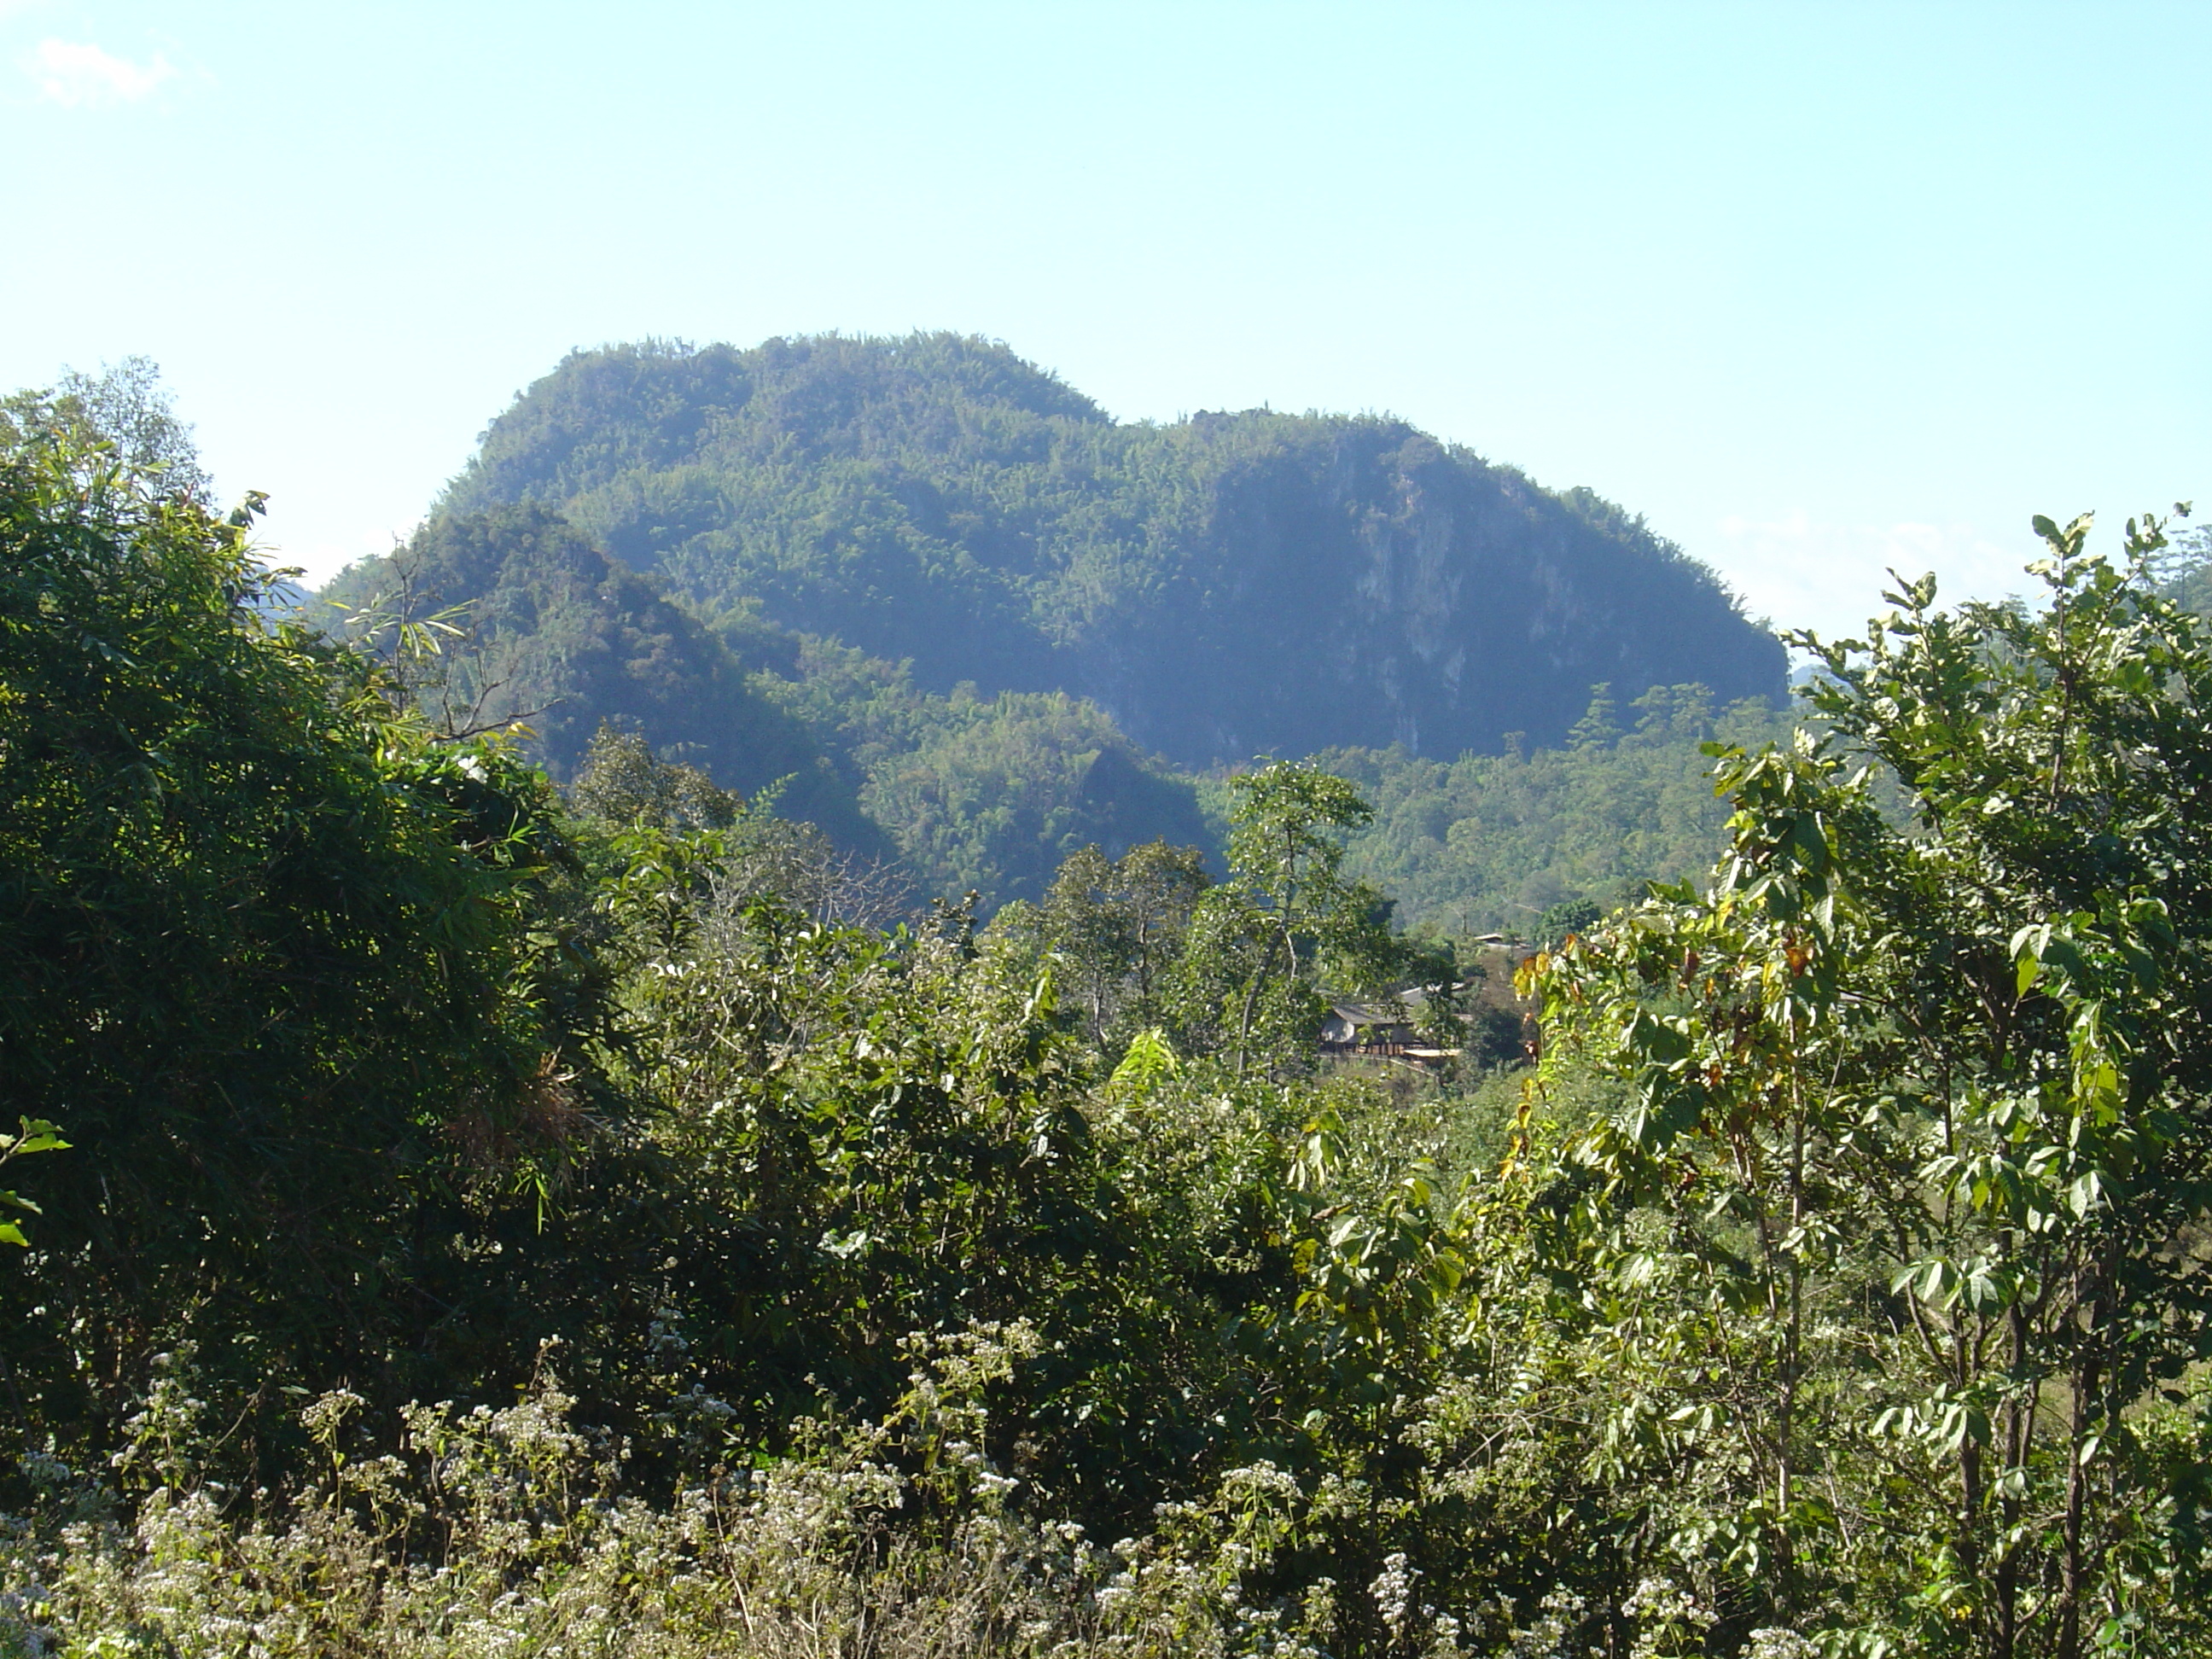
(452, 1210)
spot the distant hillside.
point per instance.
(1493, 841)
(1230, 585)
(950, 611)
(557, 633)
(2189, 570)
(986, 793)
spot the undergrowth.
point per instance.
(497, 1533)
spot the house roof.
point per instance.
(1373, 1013)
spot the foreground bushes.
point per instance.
(507, 1532)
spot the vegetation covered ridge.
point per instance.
(957, 615)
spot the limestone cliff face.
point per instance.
(1355, 583)
(1227, 585)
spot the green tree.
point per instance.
(275, 956)
(621, 782)
(1565, 919)
(1489, 842)
(1262, 943)
(123, 411)
(1904, 1199)
(1156, 888)
(1114, 930)
(33, 1136)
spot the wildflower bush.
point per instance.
(510, 1531)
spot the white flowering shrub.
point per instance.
(501, 1533)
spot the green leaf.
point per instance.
(1932, 1280)
(2084, 1193)
(1665, 1039)
(2027, 955)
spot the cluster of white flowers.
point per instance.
(43, 1468)
(1551, 1636)
(1260, 1479)
(1670, 1619)
(1393, 1590)
(324, 1418)
(799, 1506)
(666, 1340)
(1778, 1644)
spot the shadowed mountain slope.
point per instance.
(982, 792)
(559, 635)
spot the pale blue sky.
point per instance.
(1817, 287)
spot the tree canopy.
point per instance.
(1916, 1132)
(275, 954)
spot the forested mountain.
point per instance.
(1494, 841)
(951, 610)
(1226, 586)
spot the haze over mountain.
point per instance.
(945, 598)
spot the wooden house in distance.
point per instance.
(1383, 1030)
(1368, 1027)
(1500, 1026)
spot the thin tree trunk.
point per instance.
(1251, 1004)
(2018, 1427)
(2070, 1586)
(1969, 1469)
(1793, 1352)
